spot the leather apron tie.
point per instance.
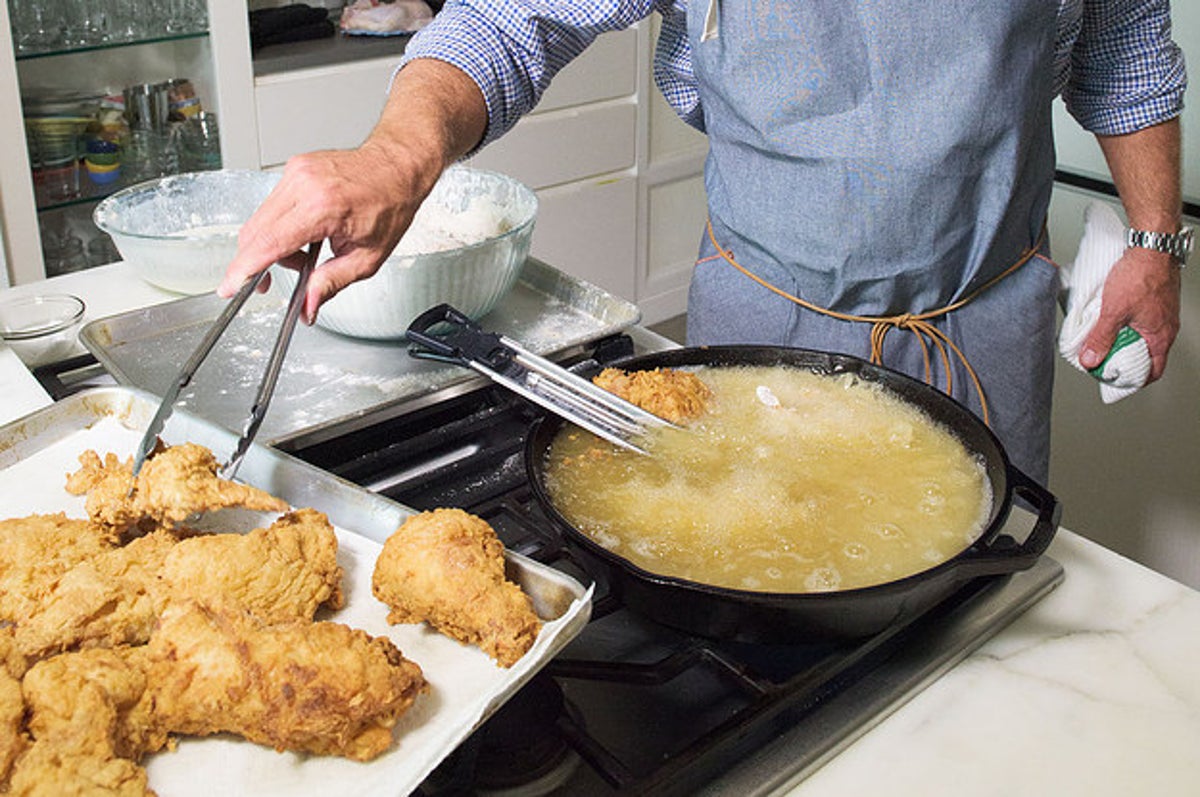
(918, 323)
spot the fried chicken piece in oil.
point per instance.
(322, 688)
(282, 572)
(446, 567)
(670, 394)
(175, 483)
(36, 551)
(89, 723)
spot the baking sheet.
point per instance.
(36, 453)
(330, 380)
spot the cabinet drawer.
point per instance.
(316, 109)
(589, 230)
(563, 146)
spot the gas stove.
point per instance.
(630, 706)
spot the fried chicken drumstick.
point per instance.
(447, 567)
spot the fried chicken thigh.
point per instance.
(174, 484)
(282, 572)
(446, 567)
(321, 688)
(672, 395)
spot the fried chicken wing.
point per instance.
(35, 551)
(320, 688)
(109, 600)
(282, 572)
(446, 567)
(670, 394)
(175, 483)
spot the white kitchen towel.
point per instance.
(1127, 365)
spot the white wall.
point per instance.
(1128, 474)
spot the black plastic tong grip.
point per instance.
(462, 343)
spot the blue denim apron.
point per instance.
(877, 158)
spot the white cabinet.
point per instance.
(216, 65)
(619, 177)
(322, 108)
(586, 229)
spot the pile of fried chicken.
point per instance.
(124, 630)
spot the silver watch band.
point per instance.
(1178, 245)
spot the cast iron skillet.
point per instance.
(724, 613)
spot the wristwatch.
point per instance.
(1178, 245)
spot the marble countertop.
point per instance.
(1094, 691)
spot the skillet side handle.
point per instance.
(1005, 555)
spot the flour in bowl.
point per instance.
(437, 228)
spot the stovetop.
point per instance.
(632, 707)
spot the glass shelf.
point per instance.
(89, 192)
(90, 48)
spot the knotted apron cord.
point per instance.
(917, 323)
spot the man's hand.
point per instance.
(361, 201)
(1141, 292)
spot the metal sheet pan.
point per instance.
(36, 453)
(329, 381)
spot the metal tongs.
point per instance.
(266, 387)
(535, 378)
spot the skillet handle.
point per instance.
(1004, 554)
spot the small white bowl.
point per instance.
(180, 232)
(41, 329)
(492, 216)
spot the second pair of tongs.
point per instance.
(445, 334)
(266, 388)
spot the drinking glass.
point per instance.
(36, 25)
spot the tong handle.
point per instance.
(464, 343)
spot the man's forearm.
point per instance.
(434, 115)
(1145, 167)
(1142, 289)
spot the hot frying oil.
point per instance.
(792, 482)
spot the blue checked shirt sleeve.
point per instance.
(512, 48)
(673, 65)
(1123, 73)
